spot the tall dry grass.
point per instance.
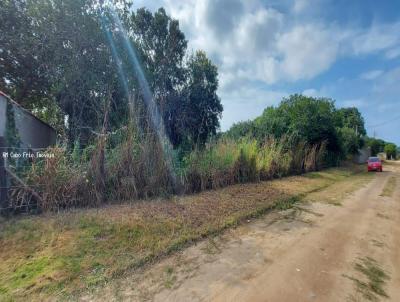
(227, 162)
(136, 166)
(59, 183)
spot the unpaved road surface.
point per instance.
(308, 254)
(342, 243)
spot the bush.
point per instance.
(226, 162)
(60, 184)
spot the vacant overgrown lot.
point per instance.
(56, 255)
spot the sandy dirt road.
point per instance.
(317, 252)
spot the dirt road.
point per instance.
(316, 252)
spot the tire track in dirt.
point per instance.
(306, 258)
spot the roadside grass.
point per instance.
(338, 191)
(373, 278)
(389, 187)
(62, 255)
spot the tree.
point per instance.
(162, 48)
(350, 118)
(303, 118)
(23, 54)
(350, 140)
(391, 150)
(241, 129)
(376, 145)
(203, 106)
(351, 129)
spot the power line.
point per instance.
(384, 123)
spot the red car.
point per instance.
(374, 164)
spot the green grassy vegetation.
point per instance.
(340, 189)
(389, 187)
(373, 278)
(227, 162)
(60, 255)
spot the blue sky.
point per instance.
(265, 50)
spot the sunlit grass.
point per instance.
(389, 187)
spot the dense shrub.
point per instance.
(228, 161)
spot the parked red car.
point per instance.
(374, 164)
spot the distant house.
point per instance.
(19, 128)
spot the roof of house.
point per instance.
(23, 109)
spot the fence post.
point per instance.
(3, 176)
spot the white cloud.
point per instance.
(253, 44)
(389, 83)
(393, 53)
(307, 51)
(371, 75)
(311, 92)
(377, 38)
(359, 103)
(250, 40)
(300, 5)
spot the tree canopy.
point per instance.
(308, 119)
(69, 59)
(391, 150)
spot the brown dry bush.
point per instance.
(138, 168)
(60, 184)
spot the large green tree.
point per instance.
(303, 118)
(24, 54)
(203, 106)
(351, 129)
(350, 118)
(391, 150)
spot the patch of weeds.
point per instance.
(371, 288)
(389, 187)
(96, 275)
(25, 274)
(211, 247)
(377, 243)
(380, 215)
(287, 203)
(35, 274)
(170, 278)
(169, 270)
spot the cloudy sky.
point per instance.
(265, 50)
